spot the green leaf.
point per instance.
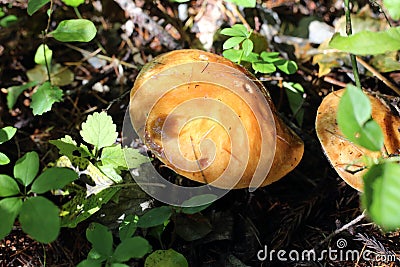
(287, 66)
(8, 186)
(243, 3)
(247, 46)
(111, 173)
(45, 96)
(82, 207)
(355, 121)
(9, 209)
(263, 67)
(233, 41)
(13, 93)
(74, 30)
(60, 76)
(393, 8)
(7, 21)
(235, 30)
(65, 145)
(4, 159)
(155, 217)
(43, 54)
(101, 238)
(134, 247)
(191, 206)
(192, 227)
(7, 133)
(166, 258)
(39, 218)
(53, 178)
(99, 130)
(113, 155)
(73, 3)
(128, 227)
(90, 263)
(35, 5)
(367, 42)
(133, 158)
(381, 195)
(294, 92)
(26, 168)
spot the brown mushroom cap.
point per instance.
(206, 117)
(345, 156)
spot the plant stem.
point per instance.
(78, 14)
(349, 32)
(50, 11)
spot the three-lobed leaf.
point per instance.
(74, 30)
(355, 121)
(99, 130)
(9, 209)
(39, 218)
(53, 178)
(381, 195)
(26, 168)
(236, 30)
(45, 96)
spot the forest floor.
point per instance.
(300, 212)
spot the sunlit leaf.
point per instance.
(99, 130)
(355, 121)
(368, 43)
(381, 195)
(166, 258)
(73, 3)
(8, 186)
(247, 46)
(393, 8)
(233, 41)
(43, 54)
(133, 158)
(7, 133)
(39, 218)
(44, 98)
(4, 159)
(243, 3)
(235, 30)
(263, 67)
(53, 178)
(74, 30)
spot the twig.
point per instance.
(379, 75)
(344, 227)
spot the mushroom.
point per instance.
(210, 120)
(345, 156)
